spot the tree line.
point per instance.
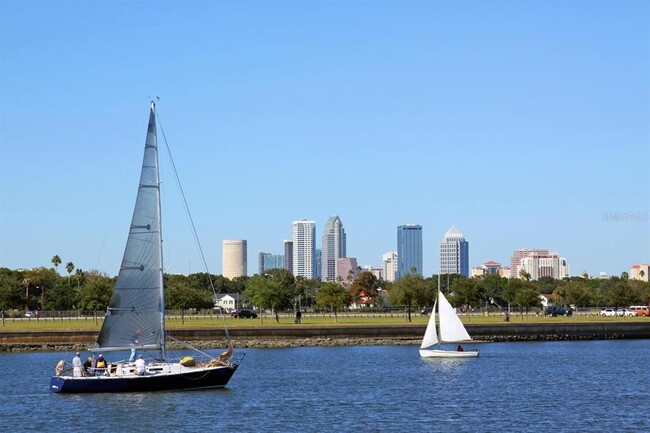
(278, 290)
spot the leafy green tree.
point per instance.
(511, 289)
(619, 294)
(275, 290)
(467, 292)
(11, 289)
(96, 292)
(333, 295)
(409, 291)
(548, 284)
(493, 287)
(185, 298)
(527, 297)
(447, 282)
(577, 293)
(61, 297)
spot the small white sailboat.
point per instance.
(452, 330)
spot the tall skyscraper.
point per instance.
(233, 258)
(288, 255)
(304, 248)
(266, 261)
(454, 253)
(333, 248)
(389, 265)
(409, 250)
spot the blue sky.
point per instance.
(524, 123)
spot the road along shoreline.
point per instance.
(357, 335)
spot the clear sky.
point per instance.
(524, 123)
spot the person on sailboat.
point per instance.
(88, 367)
(60, 368)
(77, 366)
(460, 348)
(140, 366)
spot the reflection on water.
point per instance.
(511, 387)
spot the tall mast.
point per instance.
(161, 270)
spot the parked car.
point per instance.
(556, 311)
(641, 310)
(608, 312)
(625, 312)
(248, 314)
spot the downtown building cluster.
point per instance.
(330, 262)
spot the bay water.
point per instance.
(584, 386)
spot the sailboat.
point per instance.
(135, 318)
(452, 330)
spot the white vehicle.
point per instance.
(625, 312)
(608, 312)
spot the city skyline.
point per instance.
(524, 123)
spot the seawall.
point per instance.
(337, 335)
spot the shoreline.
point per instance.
(289, 337)
(280, 343)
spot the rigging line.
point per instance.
(189, 216)
(187, 209)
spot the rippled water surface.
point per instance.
(591, 386)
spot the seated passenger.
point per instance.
(140, 366)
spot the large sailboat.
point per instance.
(452, 330)
(135, 318)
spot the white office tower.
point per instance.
(303, 235)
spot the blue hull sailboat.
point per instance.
(135, 318)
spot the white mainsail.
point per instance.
(430, 335)
(135, 314)
(451, 328)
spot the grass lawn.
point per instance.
(320, 320)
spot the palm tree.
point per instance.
(69, 267)
(56, 261)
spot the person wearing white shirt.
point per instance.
(140, 365)
(77, 366)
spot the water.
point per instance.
(588, 386)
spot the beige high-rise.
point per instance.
(233, 258)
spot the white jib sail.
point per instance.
(451, 328)
(430, 335)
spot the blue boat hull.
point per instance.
(200, 379)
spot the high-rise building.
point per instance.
(538, 265)
(348, 270)
(409, 250)
(266, 261)
(389, 265)
(333, 248)
(454, 253)
(288, 255)
(233, 258)
(517, 255)
(304, 248)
